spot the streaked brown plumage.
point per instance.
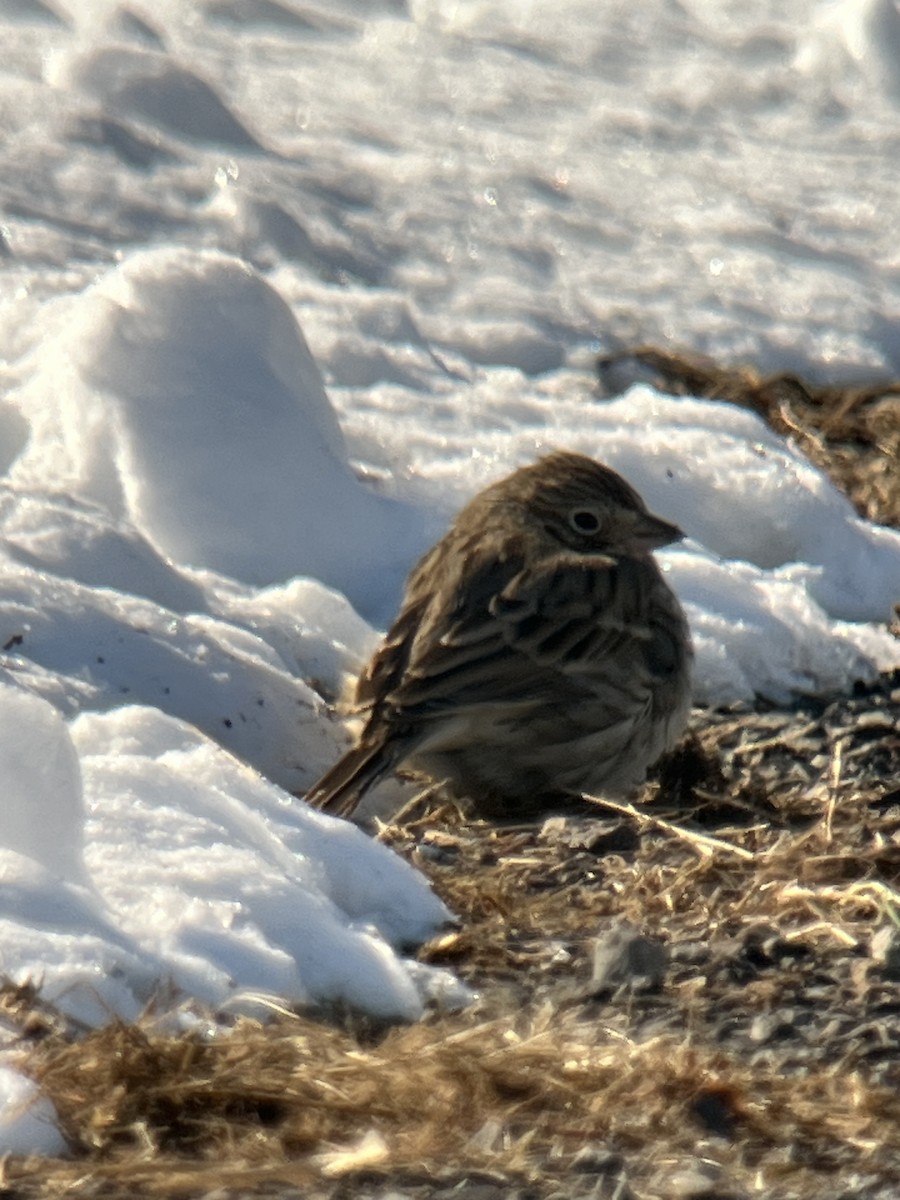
(538, 651)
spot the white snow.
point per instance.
(139, 851)
(282, 286)
(27, 1119)
(180, 394)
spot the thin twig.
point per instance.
(702, 842)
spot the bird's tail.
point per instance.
(341, 788)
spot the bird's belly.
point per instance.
(511, 758)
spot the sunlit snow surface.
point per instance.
(283, 285)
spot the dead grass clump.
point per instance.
(298, 1103)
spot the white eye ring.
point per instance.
(584, 520)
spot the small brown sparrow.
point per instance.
(538, 652)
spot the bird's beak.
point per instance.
(650, 532)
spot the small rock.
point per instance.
(437, 854)
(624, 956)
(597, 837)
(770, 1027)
(553, 829)
(691, 1182)
(612, 837)
(597, 1159)
(699, 1180)
(691, 954)
(885, 950)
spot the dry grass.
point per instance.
(765, 860)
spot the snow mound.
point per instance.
(181, 395)
(145, 856)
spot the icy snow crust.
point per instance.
(283, 285)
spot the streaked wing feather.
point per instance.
(570, 614)
(560, 618)
(385, 671)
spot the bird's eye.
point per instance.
(584, 520)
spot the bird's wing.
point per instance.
(385, 671)
(572, 612)
(563, 618)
